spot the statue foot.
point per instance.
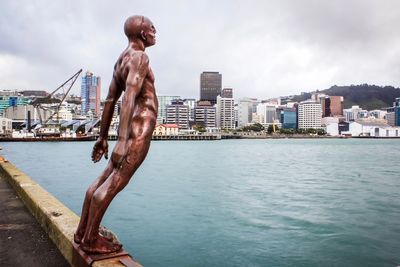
(100, 245)
(78, 238)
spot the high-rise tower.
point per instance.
(90, 94)
(210, 86)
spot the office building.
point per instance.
(397, 112)
(90, 94)
(332, 106)
(205, 114)
(225, 113)
(10, 98)
(288, 118)
(163, 101)
(210, 86)
(191, 103)
(309, 114)
(246, 108)
(178, 113)
(267, 113)
(353, 113)
(227, 93)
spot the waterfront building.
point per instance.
(288, 118)
(210, 86)
(390, 118)
(353, 113)
(378, 114)
(166, 129)
(205, 114)
(90, 94)
(19, 114)
(225, 113)
(246, 108)
(191, 103)
(5, 126)
(236, 114)
(163, 101)
(63, 114)
(331, 125)
(372, 127)
(309, 114)
(267, 113)
(178, 113)
(397, 112)
(34, 93)
(11, 98)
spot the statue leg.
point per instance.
(92, 241)
(86, 204)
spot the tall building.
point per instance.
(227, 93)
(332, 106)
(396, 107)
(309, 114)
(10, 98)
(178, 113)
(205, 114)
(210, 86)
(90, 94)
(225, 113)
(246, 108)
(267, 113)
(191, 103)
(163, 101)
(288, 118)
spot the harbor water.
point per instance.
(286, 202)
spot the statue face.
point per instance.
(149, 33)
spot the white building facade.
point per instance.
(309, 115)
(225, 113)
(246, 108)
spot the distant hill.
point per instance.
(366, 96)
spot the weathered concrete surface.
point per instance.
(58, 221)
(22, 241)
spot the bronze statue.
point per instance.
(133, 75)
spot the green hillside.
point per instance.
(368, 97)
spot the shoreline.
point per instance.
(189, 138)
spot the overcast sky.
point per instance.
(262, 48)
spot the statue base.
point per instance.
(84, 259)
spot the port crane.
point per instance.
(38, 102)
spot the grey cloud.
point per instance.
(262, 48)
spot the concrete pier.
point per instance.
(57, 221)
(22, 241)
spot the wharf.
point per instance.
(22, 241)
(186, 137)
(48, 139)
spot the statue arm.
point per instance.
(101, 146)
(111, 100)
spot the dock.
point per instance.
(52, 243)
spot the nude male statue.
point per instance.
(133, 75)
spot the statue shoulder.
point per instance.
(139, 58)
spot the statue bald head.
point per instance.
(140, 27)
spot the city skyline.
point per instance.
(262, 49)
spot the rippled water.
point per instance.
(242, 202)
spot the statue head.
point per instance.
(140, 28)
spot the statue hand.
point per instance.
(119, 153)
(100, 148)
